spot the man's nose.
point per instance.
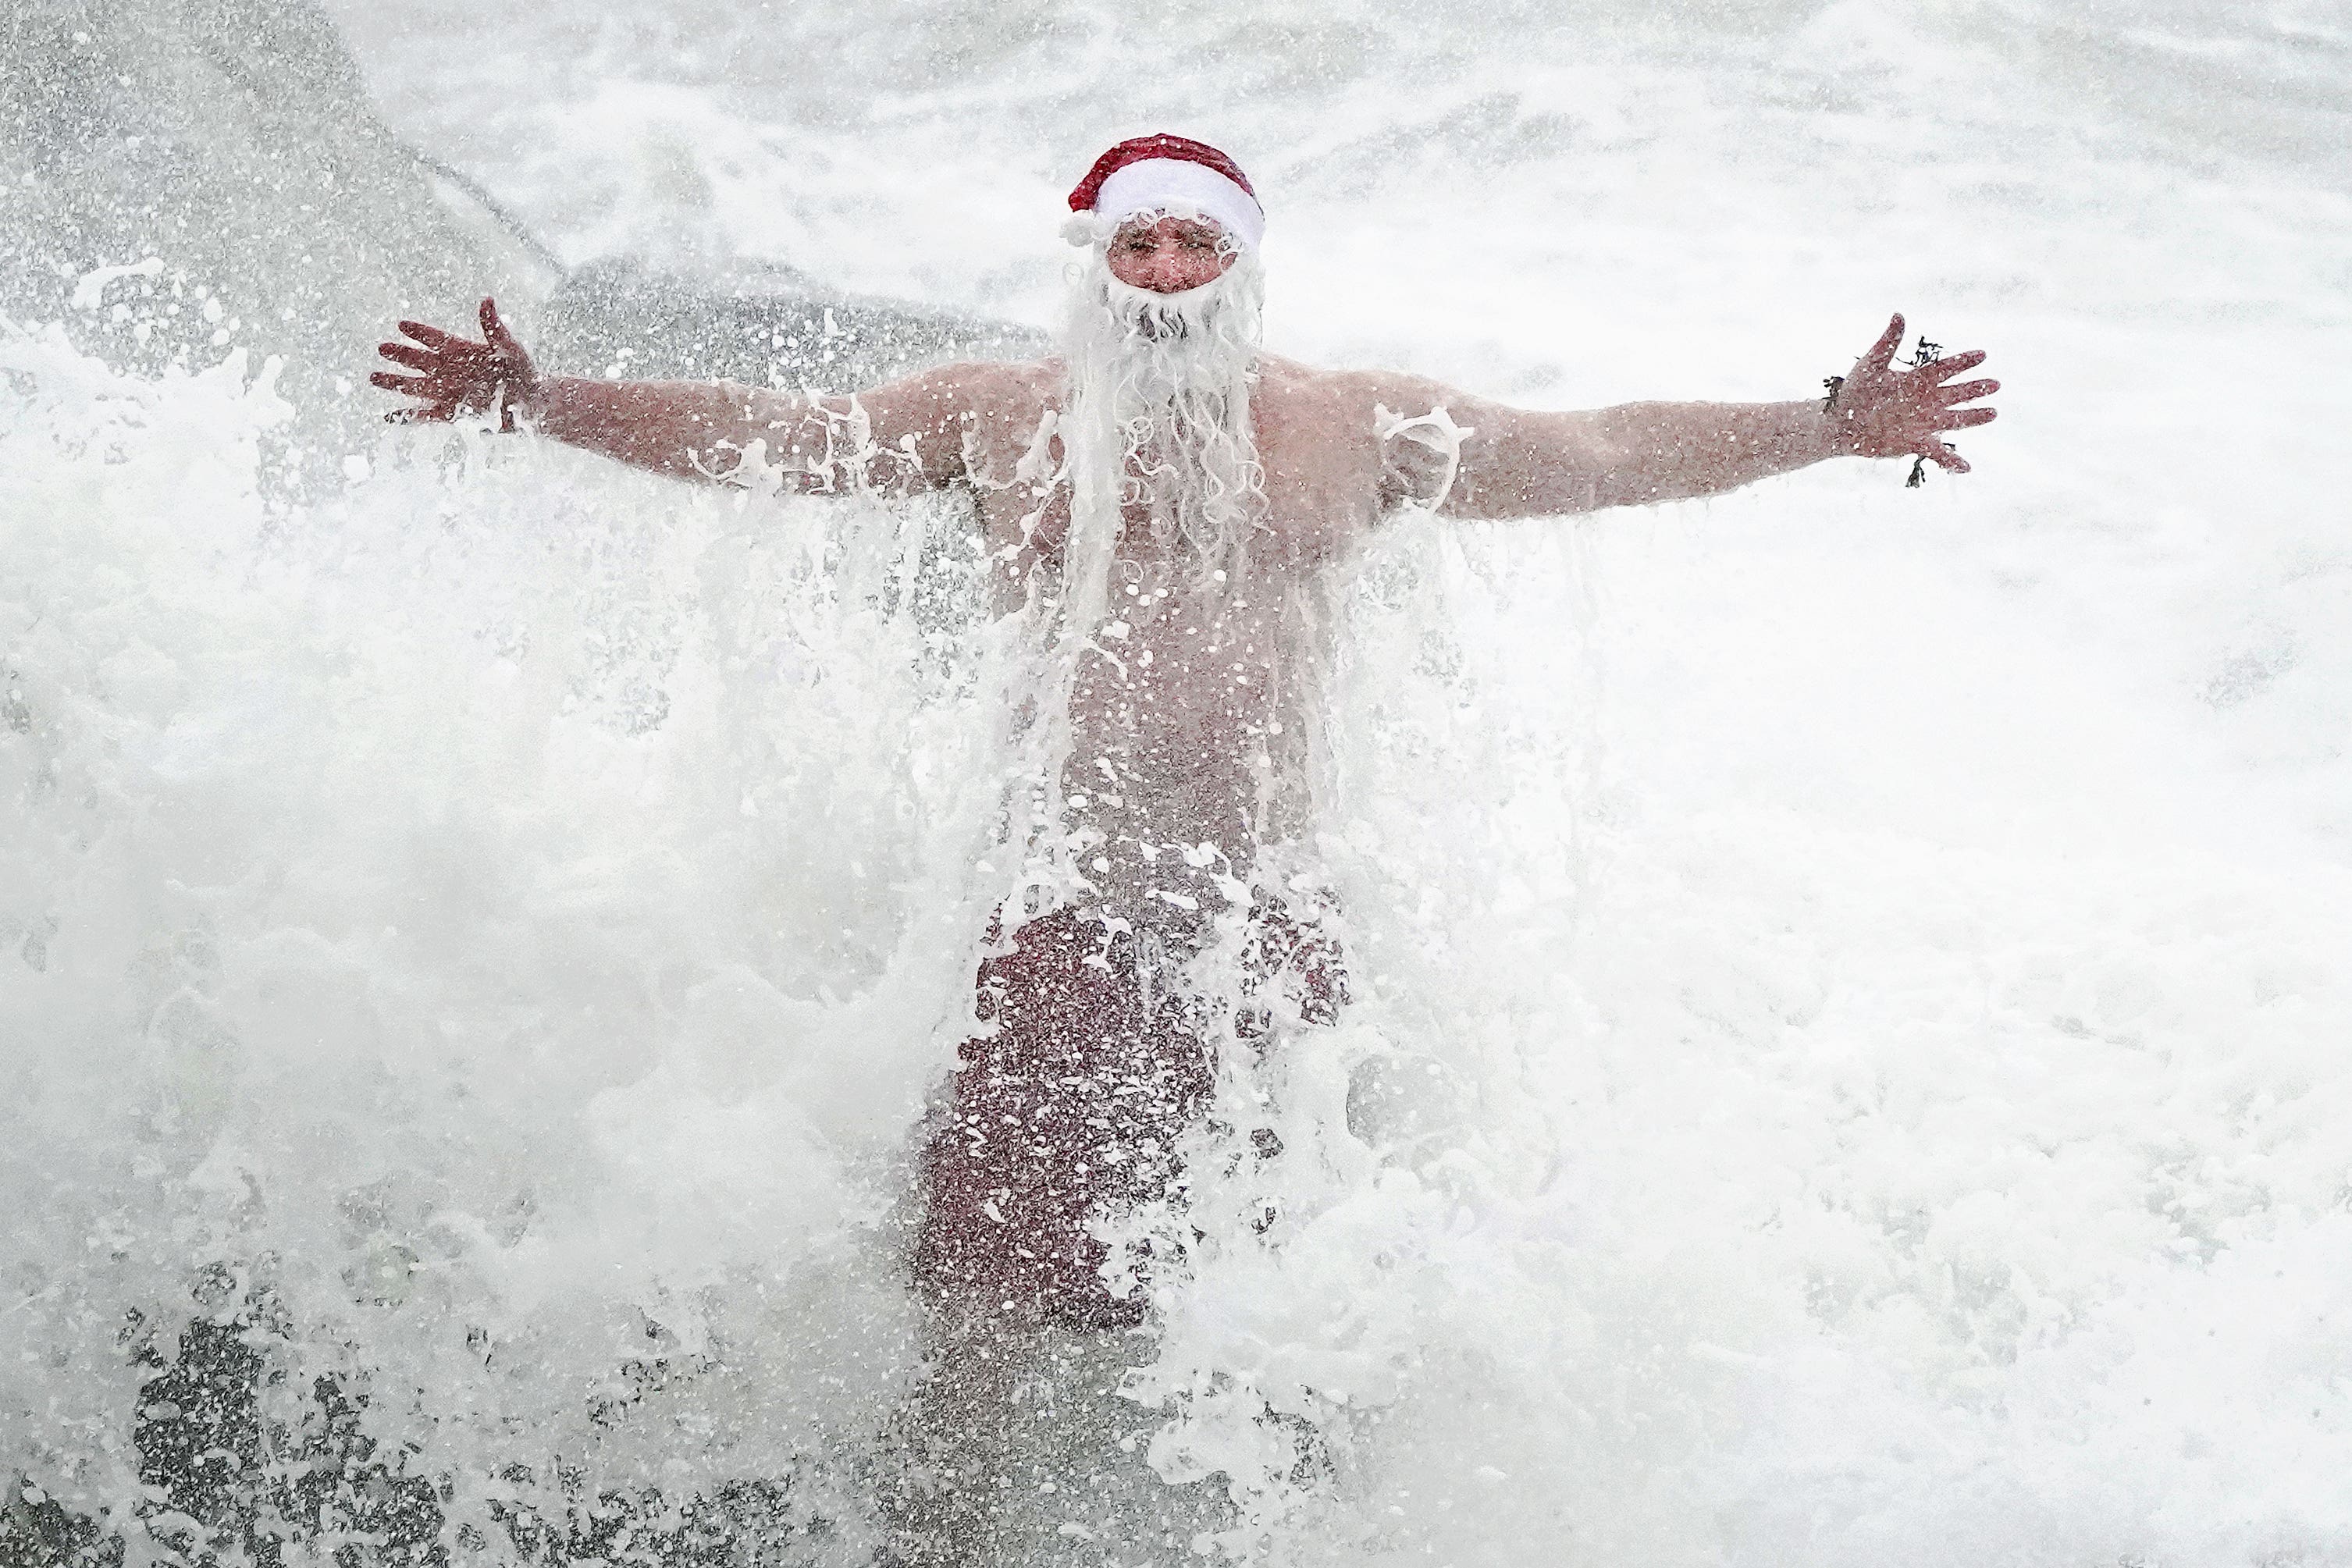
(1165, 274)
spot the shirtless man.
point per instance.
(1174, 497)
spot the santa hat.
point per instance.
(1160, 174)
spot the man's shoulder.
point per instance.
(1345, 406)
(1291, 377)
(1014, 393)
(971, 392)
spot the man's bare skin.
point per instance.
(1183, 722)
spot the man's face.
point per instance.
(1168, 256)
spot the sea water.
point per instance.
(1847, 1057)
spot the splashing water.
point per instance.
(1844, 1063)
(354, 901)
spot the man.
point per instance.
(1174, 497)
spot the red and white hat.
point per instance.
(1155, 174)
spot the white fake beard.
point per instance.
(1158, 412)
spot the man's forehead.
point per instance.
(1181, 225)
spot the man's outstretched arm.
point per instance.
(1517, 463)
(906, 435)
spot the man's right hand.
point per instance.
(460, 376)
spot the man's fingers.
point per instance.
(1951, 365)
(407, 386)
(431, 337)
(1966, 391)
(1943, 457)
(1961, 418)
(1882, 352)
(437, 412)
(415, 359)
(494, 332)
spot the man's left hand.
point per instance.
(1881, 411)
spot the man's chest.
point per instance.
(1321, 481)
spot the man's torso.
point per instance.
(1190, 710)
